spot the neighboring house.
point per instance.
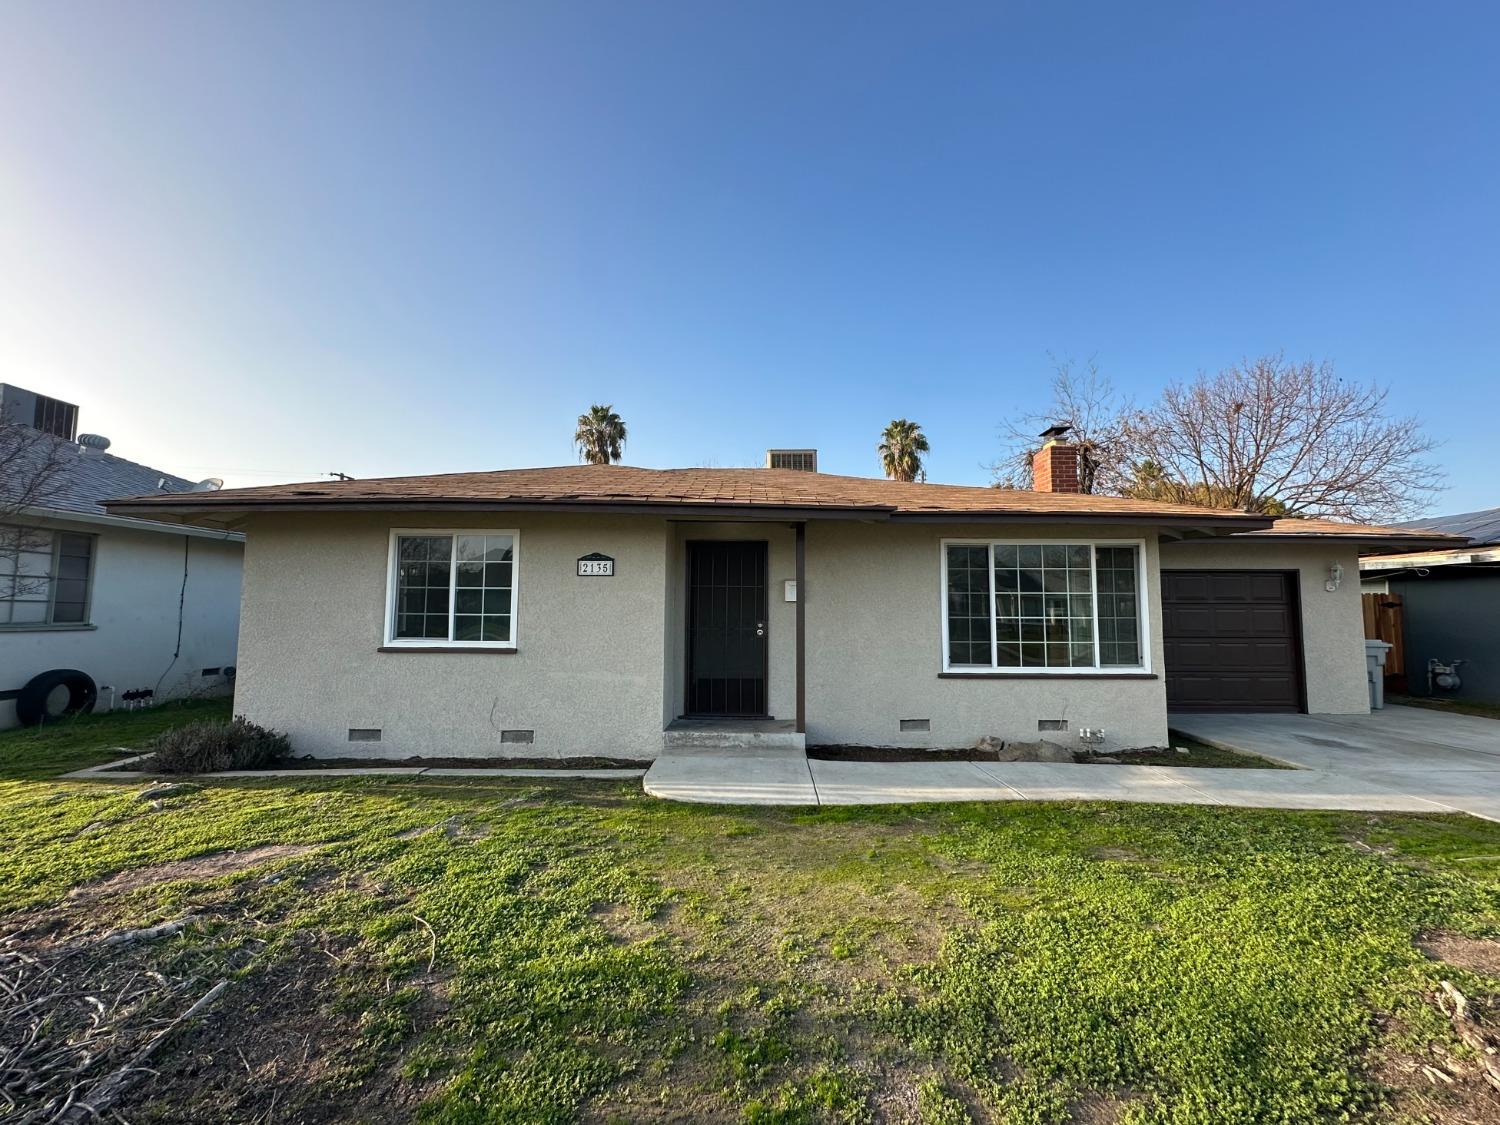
(1449, 604)
(104, 610)
(595, 610)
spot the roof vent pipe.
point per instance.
(96, 442)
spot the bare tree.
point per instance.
(1086, 400)
(1281, 438)
(33, 464)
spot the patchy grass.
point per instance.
(520, 950)
(1485, 709)
(82, 741)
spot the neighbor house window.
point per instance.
(45, 577)
(452, 588)
(1043, 606)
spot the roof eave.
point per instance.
(152, 508)
(1388, 543)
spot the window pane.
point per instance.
(422, 595)
(64, 613)
(1053, 615)
(1119, 608)
(969, 606)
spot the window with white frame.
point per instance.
(45, 577)
(1043, 607)
(452, 588)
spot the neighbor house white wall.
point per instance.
(132, 631)
(586, 675)
(875, 654)
(1333, 631)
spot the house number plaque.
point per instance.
(596, 566)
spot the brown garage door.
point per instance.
(1231, 640)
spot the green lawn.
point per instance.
(464, 951)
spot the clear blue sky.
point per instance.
(269, 240)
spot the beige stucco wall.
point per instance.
(874, 641)
(586, 677)
(1332, 629)
(599, 668)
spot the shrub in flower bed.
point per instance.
(209, 746)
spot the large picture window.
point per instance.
(45, 577)
(452, 588)
(1043, 607)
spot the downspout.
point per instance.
(801, 627)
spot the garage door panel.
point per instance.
(1268, 587)
(1230, 641)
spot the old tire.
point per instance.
(54, 695)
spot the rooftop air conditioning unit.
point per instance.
(50, 415)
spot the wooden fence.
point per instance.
(1383, 622)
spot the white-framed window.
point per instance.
(1062, 607)
(46, 577)
(452, 587)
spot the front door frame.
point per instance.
(690, 545)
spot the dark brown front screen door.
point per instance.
(726, 624)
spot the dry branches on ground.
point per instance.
(79, 1022)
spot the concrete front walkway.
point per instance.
(737, 777)
(1400, 760)
(1448, 759)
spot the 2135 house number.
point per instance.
(596, 566)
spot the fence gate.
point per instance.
(1383, 622)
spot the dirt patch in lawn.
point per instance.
(282, 1047)
(1432, 1085)
(1478, 955)
(203, 867)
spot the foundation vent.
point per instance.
(1052, 724)
(527, 736)
(364, 734)
(916, 724)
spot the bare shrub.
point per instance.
(209, 746)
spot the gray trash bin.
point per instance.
(1375, 654)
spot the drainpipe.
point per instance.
(801, 627)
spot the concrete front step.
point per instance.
(733, 734)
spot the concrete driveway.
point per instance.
(1450, 760)
(1401, 760)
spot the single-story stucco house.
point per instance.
(599, 610)
(101, 611)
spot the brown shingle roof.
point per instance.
(623, 487)
(1401, 537)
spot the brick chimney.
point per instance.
(1054, 467)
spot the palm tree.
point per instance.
(901, 449)
(600, 435)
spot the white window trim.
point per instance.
(1143, 608)
(392, 641)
